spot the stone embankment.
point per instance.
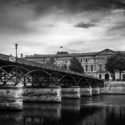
(113, 87)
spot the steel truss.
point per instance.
(17, 75)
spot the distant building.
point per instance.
(92, 62)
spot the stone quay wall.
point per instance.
(113, 87)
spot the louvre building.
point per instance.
(92, 62)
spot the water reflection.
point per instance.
(11, 118)
(49, 110)
(101, 110)
(112, 110)
(41, 113)
(73, 113)
(71, 105)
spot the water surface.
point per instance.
(97, 110)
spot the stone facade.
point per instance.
(92, 62)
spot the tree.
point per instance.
(63, 67)
(116, 63)
(76, 66)
(51, 63)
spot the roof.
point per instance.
(60, 55)
(66, 54)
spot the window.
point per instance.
(123, 77)
(81, 60)
(92, 68)
(86, 68)
(86, 60)
(107, 76)
(100, 76)
(100, 67)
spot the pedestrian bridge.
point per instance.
(33, 79)
(34, 74)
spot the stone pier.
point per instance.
(11, 98)
(37, 94)
(87, 91)
(95, 91)
(71, 92)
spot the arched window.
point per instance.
(107, 76)
(100, 76)
(123, 77)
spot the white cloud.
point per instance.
(52, 30)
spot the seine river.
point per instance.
(98, 110)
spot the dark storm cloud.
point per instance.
(41, 6)
(84, 25)
(15, 22)
(119, 26)
(117, 30)
(26, 11)
(74, 5)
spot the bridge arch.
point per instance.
(56, 74)
(3, 77)
(7, 66)
(85, 84)
(67, 78)
(14, 67)
(3, 70)
(94, 83)
(40, 78)
(13, 74)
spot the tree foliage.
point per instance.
(51, 63)
(116, 63)
(76, 66)
(63, 67)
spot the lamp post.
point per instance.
(16, 47)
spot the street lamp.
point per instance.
(16, 47)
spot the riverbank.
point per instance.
(113, 87)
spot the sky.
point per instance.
(42, 26)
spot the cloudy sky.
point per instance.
(42, 26)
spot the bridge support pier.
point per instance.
(37, 94)
(96, 91)
(87, 91)
(71, 92)
(11, 98)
